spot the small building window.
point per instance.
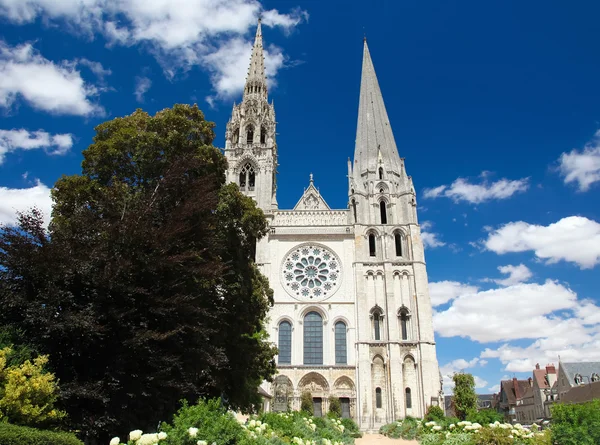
(398, 243)
(595, 377)
(377, 326)
(404, 323)
(578, 379)
(285, 343)
(383, 212)
(372, 250)
(341, 356)
(354, 209)
(380, 172)
(378, 403)
(408, 398)
(250, 135)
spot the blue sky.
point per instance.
(494, 105)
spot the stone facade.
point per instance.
(352, 315)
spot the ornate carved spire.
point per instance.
(375, 144)
(256, 82)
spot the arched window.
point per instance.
(408, 398)
(263, 135)
(341, 356)
(250, 134)
(378, 403)
(285, 343)
(354, 209)
(595, 377)
(578, 379)
(313, 339)
(383, 212)
(372, 251)
(235, 136)
(398, 243)
(247, 177)
(380, 172)
(377, 325)
(404, 317)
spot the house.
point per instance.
(571, 375)
(516, 400)
(484, 401)
(545, 391)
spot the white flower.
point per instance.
(193, 432)
(436, 428)
(452, 426)
(148, 439)
(252, 423)
(342, 428)
(135, 434)
(258, 423)
(202, 442)
(162, 435)
(115, 441)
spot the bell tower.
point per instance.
(250, 146)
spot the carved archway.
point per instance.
(314, 383)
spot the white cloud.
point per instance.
(494, 389)
(444, 291)
(95, 67)
(516, 274)
(22, 200)
(582, 167)
(142, 85)
(180, 34)
(525, 310)
(574, 239)
(430, 239)
(460, 365)
(45, 85)
(462, 190)
(12, 140)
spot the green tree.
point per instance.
(335, 406)
(306, 403)
(464, 399)
(576, 424)
(143, 291)
(27, 392)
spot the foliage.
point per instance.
(20, 350)
(485, 416)
(306, 403)
(213, 422)
(434, 412)
(407, 429)
(576, 424)
(22, 435)
(27, 392)
(143, 292)
(447, 439)
(351, 428)
(494, 436)
(464, 399)
(335, 406)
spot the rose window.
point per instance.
(311, 272)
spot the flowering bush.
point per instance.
(466, 433)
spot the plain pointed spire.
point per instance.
(375, 144)
(256, 82)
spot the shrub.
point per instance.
(459, 439)
(351, 428)
(485, 416)
(435, 413)
(576, 424)
(213, 422)
(306, 403)
(22, 435)
(28, 392)
(494, 436)
(335, 406)
(406, 429)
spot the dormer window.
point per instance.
(595, 377)
(578, 379)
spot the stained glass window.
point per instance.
(341, 356)
(313, 339)
(285, 343)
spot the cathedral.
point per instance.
(352, 316)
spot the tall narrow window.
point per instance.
(285, 343)
(383, 212)
(251, 178)
(263, 135)
(340, 344)
(354, 209)
(376, 326)
(313, 339)
(372, 251)
(247, 177)
(398, 243)
(378, 403)
(408, 398)
(380, 172)
(250, 135)
(404, 324)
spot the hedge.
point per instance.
(22, 435)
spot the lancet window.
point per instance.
(247, 177)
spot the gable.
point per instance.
(311, 200)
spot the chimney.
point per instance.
(516, 388)
(550, 369)
(551, 374)
(530, 380)
(537, 366)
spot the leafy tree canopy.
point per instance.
(143, 291)
(465, 398)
